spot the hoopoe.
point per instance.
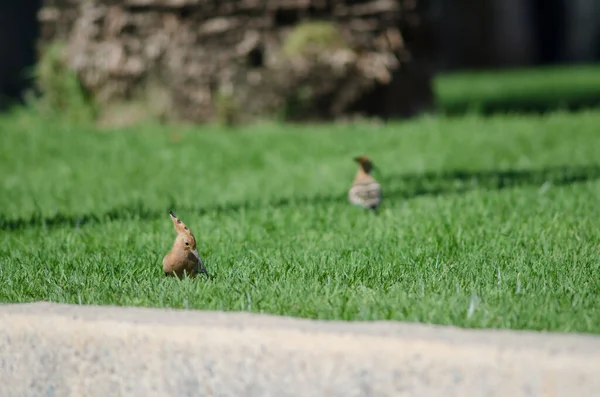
(365, 190)
(183, 255)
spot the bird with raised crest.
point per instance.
(365, 190)
(183, 257)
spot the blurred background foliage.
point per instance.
(483, 57)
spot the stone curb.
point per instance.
(57, 350)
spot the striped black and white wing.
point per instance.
(367, 194)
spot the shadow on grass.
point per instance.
(404, 186)
(521, 105)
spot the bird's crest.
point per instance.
(182, 230)
(365, 163)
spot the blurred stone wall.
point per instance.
(197, 59)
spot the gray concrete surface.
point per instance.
(53, 350)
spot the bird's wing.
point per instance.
(368, 193)
(201, 267)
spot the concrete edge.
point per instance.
(62, 340)
(143, 316)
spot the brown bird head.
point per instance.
(365, 163)
(185, 240)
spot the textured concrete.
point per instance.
(61, 350)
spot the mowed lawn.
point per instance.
(486, 222)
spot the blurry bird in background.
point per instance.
(183, 256)
(365, 190)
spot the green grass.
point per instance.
(520, 90)
(486, 222)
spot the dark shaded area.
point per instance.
(550, 22)
(475, 34)
(286, 17)
(18, 34)
(524, 104)
(256, 57)
(465, 33)
(409, 93)
(395, 187)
